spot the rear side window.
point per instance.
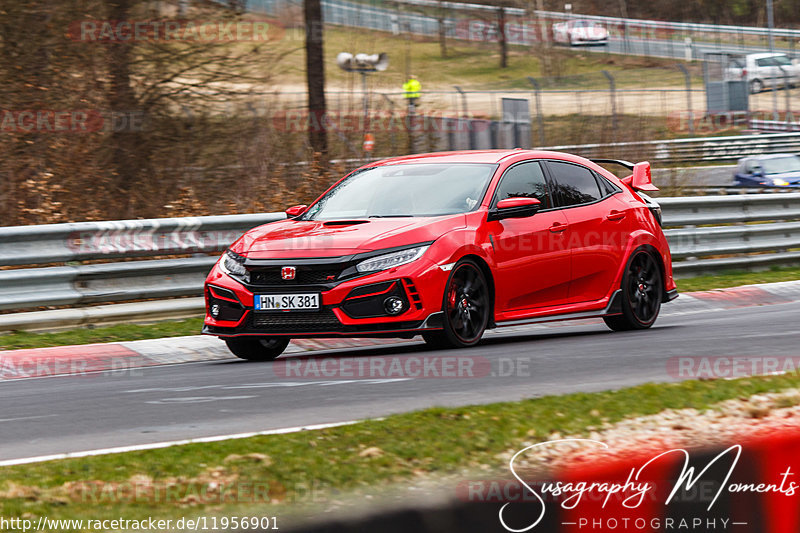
(606, 187)
(574, 184)
(524, 180)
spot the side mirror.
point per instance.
(517, 207)
(296, 211)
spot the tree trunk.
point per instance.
(442, 31)
(122, 100)
(315, 77)
(501, 36)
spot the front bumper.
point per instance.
(349, 308)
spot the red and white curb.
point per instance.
(123, 356)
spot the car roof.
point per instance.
(763, 55)
(771, 156)
(477, 156)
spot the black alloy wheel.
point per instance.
(466, 308)
(642, 292)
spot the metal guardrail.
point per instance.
(694, 150)
(134, 266)
(702, 246)
(78, 284)
(386, 18)
(774, 125)
(678, 27)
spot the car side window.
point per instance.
(524, 180)
(763, 62)
(574, 184)
(606, 187)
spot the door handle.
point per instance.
(615, 215)
(558, 227)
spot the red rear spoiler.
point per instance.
(640, 180)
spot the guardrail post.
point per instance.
(775, 115)
(612, 97)
(787, 89)
(537, 99)
(688, 79)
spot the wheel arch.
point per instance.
(487, 272)
(652, 250)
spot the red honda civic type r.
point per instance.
(446, 245)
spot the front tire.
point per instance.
(466, 308)
(642, 292)
(257, 348)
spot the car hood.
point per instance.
(590, 33)
(794, 175)
(332, 238)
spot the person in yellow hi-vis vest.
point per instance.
(411, 91)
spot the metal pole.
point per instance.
(465, 113)
(612, 94)
(537, 99)
(366, 100)
(787, 89)
(688, 79)
(391, 126)
(770, 25)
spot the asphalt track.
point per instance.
(138, 406)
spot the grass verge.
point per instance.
(192, 326)
(471, 64)
(735, 278)
(430, 444)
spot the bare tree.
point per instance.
(315, 76)
(441, 19)
(501, 36)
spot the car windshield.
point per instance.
(405, 190)
(779, 165)
(781, 60)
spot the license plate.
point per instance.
(287, 302)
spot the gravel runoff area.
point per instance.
(730, 422)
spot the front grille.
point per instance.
(296, 322)
(304, 276)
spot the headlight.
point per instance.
(233, 265)
(780, 182)
(385, 261)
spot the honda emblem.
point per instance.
(288, 272)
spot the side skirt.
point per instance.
(614, 307)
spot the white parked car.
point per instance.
(576, 32)
(763, 70)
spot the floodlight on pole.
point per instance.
(364, 64)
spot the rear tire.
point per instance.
(756, 86)
(257, 348)
(642, 292)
